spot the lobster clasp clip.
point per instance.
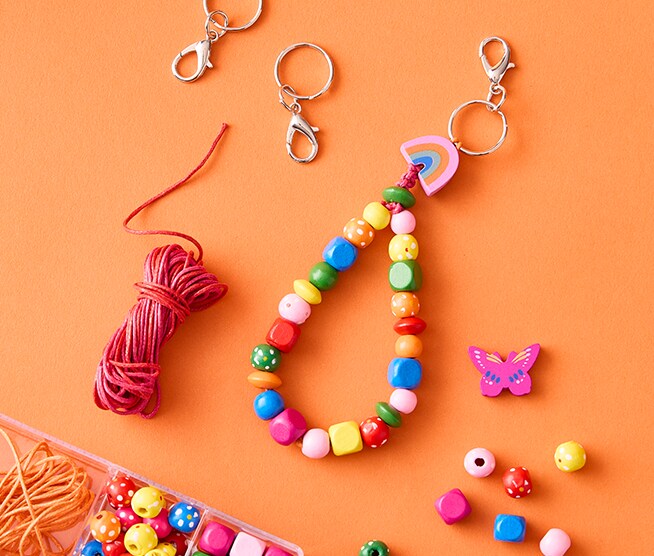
(496, 73)
(203, 50)
(298, 124)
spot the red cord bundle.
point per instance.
(174, 285)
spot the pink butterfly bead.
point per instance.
(498, 374)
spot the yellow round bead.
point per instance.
(403, 247)
(570, 456)
(408, 345)
(264, 380)
(377, 215)
(148, 502)
(405, 304)
(307, 291)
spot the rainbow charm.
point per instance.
(438, 157)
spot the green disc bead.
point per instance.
(399, 195)
(374, 548)
(265, 357)
(405, 276)
(323, 276)
(388, 414)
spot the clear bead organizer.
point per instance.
(99, 472)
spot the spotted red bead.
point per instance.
(120, 490)
(410, 325)
(374, 432)
(517, 482)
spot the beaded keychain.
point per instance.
(433, 161)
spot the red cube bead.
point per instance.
(410, 325)
(283, 335)
(374, 432)
(517, 482)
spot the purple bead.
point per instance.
(216, 539)
(288, 426)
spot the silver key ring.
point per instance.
(289, 90)
(226, 27)
(493, 108)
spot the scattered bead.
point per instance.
(388, 414)
(115, 547)
(265, 357)
(403, 247)
(105, 526)
(287, 427)
(120, 490)
(399, 195)
(405, 304)
(570, 456)
(184, 517)
(247, 545)
(148, 502)
(345, 438)
(127, 517)
(374, 432)
(340, 254)
(283, 335)
(140, 538)
(315, 443)
(264, 380)
(510, 528)
(405, 276)
(374, 548)
(323, 275)
(178, 540)
(292, 307)
(92, 548)
(408, 345)
(405, 373)
(556, 542)
(160, 524)
(163, 549)
(403, 222)
(517, 482)
(479, 462)
(216, 539)
(410, 325)
(307, 291)
(405, 401)
(268, 404)
(377, 215)
(453, 506)
(359, 233)
(274, 551)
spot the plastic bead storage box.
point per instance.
(217, 533)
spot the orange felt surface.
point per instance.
(548, 240)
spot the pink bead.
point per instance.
(315, 444)
(127, 517)
(403, 222)
(287, 427)
(274, 551)
(555, 543)
(216, 539)
(292, 307)
(160, 524)
(404, 401)
(247, 545)
(479, 462)
(453, 506)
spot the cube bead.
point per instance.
(510, 528)
(345, 438)
(405, 276)
(247, 545)
(404, 372)
(216, 539)
(288, 426)
(283, 335)
(453, 506)
(340, 254)
(274, 551)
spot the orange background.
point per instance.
(547, 240)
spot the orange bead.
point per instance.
(405, 304)
(359, 233)
(408, 345)
(264, 380)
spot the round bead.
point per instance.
(408, 345)
(517, 482)
(323, 276)
(405, 304)
(556, 542)
(160, 524)
(292, 307)
(164, 549)
(404, 372)
(268, 404)
(140, 538)
(127, 517)
(479, 462)
(148, 502)
(340, 254)
(399, 195)
(92, 548)
(264, 380)
(404, 401)
(374, 432)
(374, 548)
(184, 517)
(120, 490)
(178, 540)
(377, 215)
(403, 247)
(403, 222)
(570, 456)
(307, 291)
(410, 325)
(105, 526)
(359, 233)
(405, 276)
(115, 547)
(265, 357)
(287, 427)
(388, 414)
(315, 443)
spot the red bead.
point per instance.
(115, 547)
(178, 539)
(120, 490)
(283, 335)
(517, 482)
(374, 432)
(410, 325)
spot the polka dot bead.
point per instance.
(140, 539)
(374, 432)
(92, 548)
(265, 357)
(127, 517)
(148, 502)
(295, 309)
(358, 232)
(403, 247)
(405, 304)
(184, 517)
(570, 456)
(160, 524)
(120, 490)
(163, 549)
(479, 462)
(374, 548)
(403, 222)
(105, 526)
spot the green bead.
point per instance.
(323, 276)
(399, 195)
(200, 553)
(405, 276)
(374, 548)
(388, 414)
(265, 357)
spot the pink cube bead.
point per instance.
(292, 307)
(453, 506)
(555, 543)
(160, 524)
(274, 551)
(404, 401)
(247, 545)
(216, 539)
(315, 443)
(403, 222)
(287, 427)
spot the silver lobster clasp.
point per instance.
(203, 50)
(496, 73)
(298, 124)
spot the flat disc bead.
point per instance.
(307, 291)
(403, 247)
(410, 325)
(265, 357)
(359, 233)
(264, 380)
(377, 215)
(323, 276)
(408, 345)
(399, 195)
(388, 414)
(292, 307)
(405, 401)
(405, 304)
(315, 443)
(403, 222)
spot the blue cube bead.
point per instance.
(510, 528)
(184, 517)
(404, 372)
(340, 253)
(268, 404)
(92, 548)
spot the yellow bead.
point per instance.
(407, 345)
(264, 380)
(403, 247)
(307, 291)
(162, 549)
(570, 456)
(148, 502)
(345, 438)
(376, 215)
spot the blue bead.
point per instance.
(340, 253)
(92, 548)
(268, 404)
(510, 528)
(184, 517)
(404, 373)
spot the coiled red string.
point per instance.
(174, 285)
(407, 181)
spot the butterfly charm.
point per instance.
(498, 375)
